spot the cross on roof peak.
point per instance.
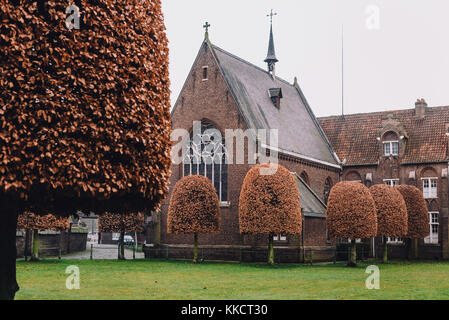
(206, 27)
(271, 15)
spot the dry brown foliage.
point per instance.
(418, 215)
(391, 211)
(270, 203)
(130, 222)
(31, 221)
(194, 207)
(351, 212)
(85, 121)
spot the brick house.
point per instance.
(225, 92)
(400, 147)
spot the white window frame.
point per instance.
(356, 240)
(390, 144)
(430, 192)
(279, 237)
(391, 182)
(394, 240)
(433, 238)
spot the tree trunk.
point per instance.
(409, 249)
(385, 256)
(27, 243)
(270, 250)
(352, 259)
(8, 282)
(157, 230)
(35, 253)
(121, 255)
(415, 249)
(195, 248)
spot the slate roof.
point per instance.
(311, 204)
(354, 137)
(299, 130)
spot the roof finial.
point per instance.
(271, 55)
(206, 27)
(271, 15)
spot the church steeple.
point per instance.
(271, 55)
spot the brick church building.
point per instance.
(225, 92)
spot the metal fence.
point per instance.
(308, 255)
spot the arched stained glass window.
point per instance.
(206, 156)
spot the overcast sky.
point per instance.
(395, 50)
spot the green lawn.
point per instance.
(159, 279)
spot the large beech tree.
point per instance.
(418, 217)
(32, 222)
(270, 204)
(351, 214)
(391, 214)
(85, 120)
(132, 222)
(194, 208)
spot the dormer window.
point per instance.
(390, 144)
(275, 95)
(391, 148)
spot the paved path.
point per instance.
(102, 252)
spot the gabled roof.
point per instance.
(299, 131)
(354, 137)
(311, 204)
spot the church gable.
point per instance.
(205, 95)
(223, 86)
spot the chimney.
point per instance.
(420, 109)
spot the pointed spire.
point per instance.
(271, 55)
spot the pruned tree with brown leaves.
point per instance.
(35, 223)
(418, 217)
(392, 218)
(194, 208)
(85, 114)
(270, 204)
(351, 214)
(132, 222)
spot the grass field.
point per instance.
(159, 279)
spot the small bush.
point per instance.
(391, 211)
(418, 216)
(270, 203)
(31, 221)
(131, 222)
(351, 212)
(194, 207)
